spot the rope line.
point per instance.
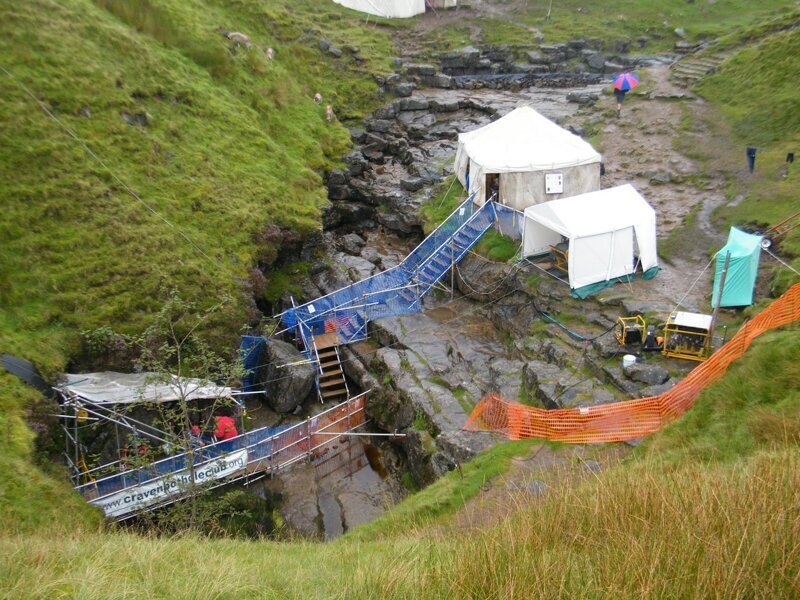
(91, 153)
(785, 264)
(691, 287)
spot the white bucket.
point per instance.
(628, 360)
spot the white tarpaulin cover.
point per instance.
(386, 8)
(600, 229)
(524, 143)
(124, 388)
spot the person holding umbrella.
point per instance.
(622, 84)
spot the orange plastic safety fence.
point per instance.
(633, 418)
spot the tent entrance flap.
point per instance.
(492, 186)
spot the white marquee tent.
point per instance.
(602, 232)
(386, 8)
(529, 158)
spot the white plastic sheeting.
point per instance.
(523, 147)
(386, 8)
(603, 230)
(109, 387)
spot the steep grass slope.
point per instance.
(756, 92)
(223, 147)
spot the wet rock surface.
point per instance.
(426, 371)
(406, 147)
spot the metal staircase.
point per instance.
(341, 317)
(331, 382)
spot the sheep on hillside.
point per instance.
(239, 38)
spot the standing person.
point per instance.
(620, 95)
(622, 84)
(226, 428)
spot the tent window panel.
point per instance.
(601, 257)
(538, 238)
(622, 253)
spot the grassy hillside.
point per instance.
(757, 406)
(612, 20)
(756, 92)
(29, 498)
(224, 147)
(654, 19)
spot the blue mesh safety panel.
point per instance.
(250, 350)
(509, 221)
(258, 444)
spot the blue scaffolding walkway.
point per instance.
(126, 493)
(397, 291)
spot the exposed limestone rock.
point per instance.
(287, 387)
(644, 373)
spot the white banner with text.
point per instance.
(138, 497)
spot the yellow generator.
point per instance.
(688, 335)
(630, 330)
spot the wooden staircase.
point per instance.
(331, 383)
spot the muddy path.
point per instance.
(646, 147)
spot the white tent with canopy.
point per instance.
(606, 234)
(386, 8)
(527, 159)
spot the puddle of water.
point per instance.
(346, 488)
(441, 314)
(376, 460)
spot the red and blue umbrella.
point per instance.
(625, 82)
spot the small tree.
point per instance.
(175, 354)
(174, 351)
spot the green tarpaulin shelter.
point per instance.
(745, 250)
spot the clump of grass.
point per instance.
(450, 195)
(496, 246)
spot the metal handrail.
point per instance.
(216, 444)
(469, 200)
(430, 258)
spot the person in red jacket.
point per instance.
(226, 428)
